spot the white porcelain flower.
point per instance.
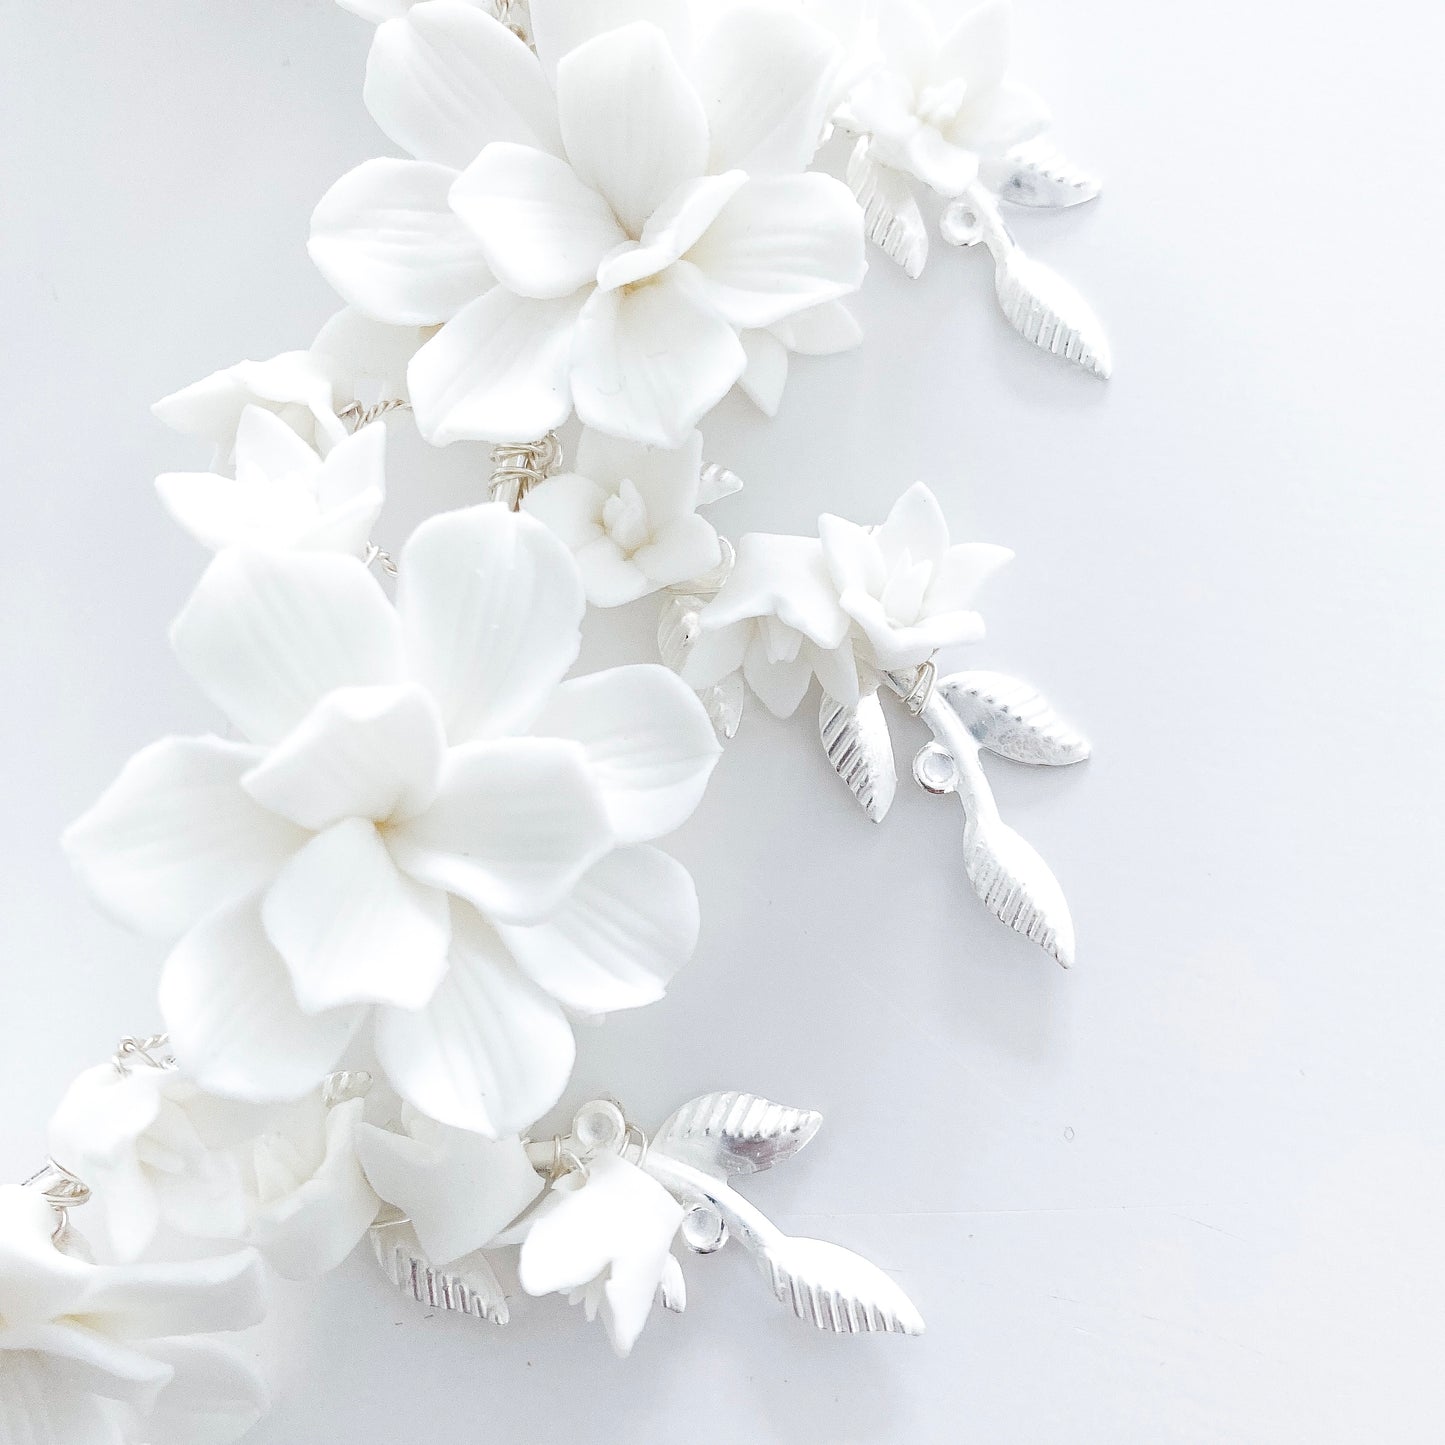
(602, 249)
(284, 494)
(942, 102)
(422, 824)
(459, 1190)
(154, 1150)
(908, 591)
(102, 1354)
(605, 1242)
(628, 514)
(777, 619)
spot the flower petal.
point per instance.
(767, 81)
(459, 1189)
(362, 752)
(351, 927)
(446, 80)
(976, 50)
(767, 370)
(38, 1406)
(680, 550)
(780, 684)
(649, 364)
(267, 635)
(221, 511)
(782, 577)
(915, 530)
(661, 474)
(213, 1398)
(938, 162)
(497, 371)
(491, 1052)
(560, 26)
(820, 331)
(717, 653)
(962, 572)
(671, 230)
(610, 578)
(176, 837)
(782, 245)
(194, 1297)
(621, 935)
(517, 823)
(542, 231)
(1001, 119)
(648, 741)
(569, 506)
(492, 609)
(233, 1018)
(633, 126)
(386, 239)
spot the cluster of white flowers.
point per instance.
(418, 846)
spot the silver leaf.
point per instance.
(678, 629)
(891, 217)
(672, 1288)
(1046, 310)
(837, 1290)
(469, 1287)
(861, 751)
(716, 482)
(734, 1133)
(723, 702)
(1038, 173)
(1013, 719)
(1017, 887)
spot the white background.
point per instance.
(1189, 1192)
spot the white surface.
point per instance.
(1189, 1192)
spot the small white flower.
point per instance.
(100, 1354)
(603, 248)
(283, 494)
(777, 619)
(459, 1190)
(908, 591)
(155, 1150)
(628, 514)
(940, 103)
(423, 825)
(606, 1242)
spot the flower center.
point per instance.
(624, 518)
(905, 589)
(939, 105)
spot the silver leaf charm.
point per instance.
(1038, 303)
(859, 747)
(1038, 173)
(891, 217)
(1013, 719)
(837, 1290)
(1017, 887)
(672, 1290)
(469, 1287)
(733, 1133)
(677, 630)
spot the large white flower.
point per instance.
(908, 590)
(629, 515)
(606, 1242)
(777, 619)
(942, 102)
(103, 1354)
(603, 248)
(283, 493)
(423, 824)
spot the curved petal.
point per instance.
(962, 572)
(446, 80)
(716, 654)
(221, 511)
(977, 48)
(1001, 119)
(648, 741)
(491, 606)
(491, 1052)
(459, 1189)
(310, 1231)
(780, 685)
(937, 161)
(560, 26)
(497, 371)
(781, 245)
(213, 1398)
(820, 331)
(649, 364)
(386, 239)
(233, 1018)
(782, 577)
(362, 752)
(616, 942)
(633, 126)
(767, 80)
(192, 1297)
(767, 370)
(351, 927)
(517, 823)
(543, 232)
(569, 506)
(610, 578)
(661, 474)
(680, 550)
(915, 530)
(175, 836)
(88, 1358)
(267, 635)
(38, 1406)
(671, 230)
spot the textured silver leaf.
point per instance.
(1013, 719)
(716, 482)
(723, 702)
(891, 217)
(837, 1290)
(1038, 173)
(860, 749)
(1017, 887)
(672, 1288)
(1046, 310)
(733, 1133)
(469, 1287)
(678, 629)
